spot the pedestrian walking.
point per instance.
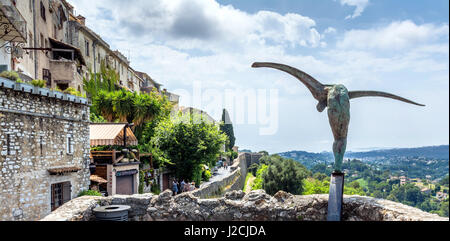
(174, 187)
(182, 186)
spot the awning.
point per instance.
(111, 134)
(97, 179)
(63, 170)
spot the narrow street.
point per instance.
(221, 173)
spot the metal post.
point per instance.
(35, 42)
(336, 197)
(125, 136)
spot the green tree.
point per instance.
(103, 105)
(319, 176)
(123, 105)
(185, 145)
(285, 175)
(227, 128)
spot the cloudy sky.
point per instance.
(203, 49)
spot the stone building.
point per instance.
(44, 150)
(93, 48)
(41, 52)
(45, 19)
(47, 41)
(148, 83)
(15, 32)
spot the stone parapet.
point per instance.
(238, 206)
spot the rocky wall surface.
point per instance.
(238, 206)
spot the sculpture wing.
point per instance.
(358, 94)
(316, 88)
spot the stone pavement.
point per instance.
(221, 173)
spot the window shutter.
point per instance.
(67, 144)
(71, 145)
(53, 197)
(66, 192)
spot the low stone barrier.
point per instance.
(238, 206)
(233, 182)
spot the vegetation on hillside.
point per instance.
(361, 179)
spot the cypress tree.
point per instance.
(227, 128)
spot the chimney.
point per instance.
(81, 20)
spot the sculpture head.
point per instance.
(321, 106)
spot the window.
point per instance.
(87, 47)
(30, 4)
(61, 193)
(69, 144)
(98, 57)
(47, 76)
(8, 144)
(43, 11)
(41, 145)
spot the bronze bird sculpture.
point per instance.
(337, 99)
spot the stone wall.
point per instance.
(238, 206)
(232, 182)
(34, 131)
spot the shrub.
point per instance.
(89, 193)
(141, 181)
(206, 175)
(12, 75)
(73, 91)
(38, 83)
(155, 188)
(258, 182)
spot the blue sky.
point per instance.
(399, 47)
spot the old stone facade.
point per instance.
(40, 136)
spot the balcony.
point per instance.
(65, 73)
(172, 97)
(13, 26)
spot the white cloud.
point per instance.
(359, 4)
(395, 36)
(205, 24)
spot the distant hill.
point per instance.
(434, 152)
(310, 159)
